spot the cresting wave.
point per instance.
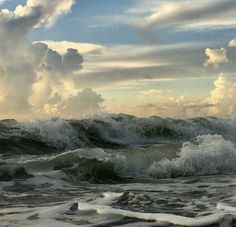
(209, 154)
(109, 131)
(212, 154)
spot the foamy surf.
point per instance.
(42, 136)
(74, 213)
(208, 155)
(118, 170)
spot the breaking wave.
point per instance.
(211, 154)
(109, 131)
(207, 155)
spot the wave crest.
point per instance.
(109, 131)
(212, 154)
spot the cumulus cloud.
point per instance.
(224, 94)
(221, 90)
(118, 65)
(47, 77)
(220, 102)
(85, 102)
(232, 43)
(176, 107)
(54, 74)
(34, 78)
(65, 64)
(216, 56)
(41, 12)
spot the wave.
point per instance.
(208, 155)
(211, 154)
(78, 165)
(109, 131)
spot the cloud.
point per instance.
(117, 64)
(221, 90)
(33, 75)
(86, 102)
(54, 75)
(65, 64)
(49, 77)
(114, 65)
(151, 93)
(232, 43)
(224, 94)
(2, 1)
(41, 12)
(194, 14)
(84, 48)
(176, 107)
(216, 56)
(220, 102)
(181, 15)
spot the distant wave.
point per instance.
(50, 135)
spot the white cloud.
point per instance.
(2, 1)
(216, 56)
(37, 71)
(192, 13)
(48, 75)
(232, 43)
(221, 90)
(224, 94)
(135, 63)
(84, 48)
(151, 92)
(219, 102)
(87, 102)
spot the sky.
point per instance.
(74, 58)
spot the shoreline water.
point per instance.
(53, 173)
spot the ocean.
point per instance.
(118, 170)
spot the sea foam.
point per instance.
(211, 154)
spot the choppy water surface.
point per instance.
(118, 170)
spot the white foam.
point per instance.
(58, 132)
(157, 217)
(121, 129)
(211, 155)
(224, 207)
(109, 197)
(54, 213)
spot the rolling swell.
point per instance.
(109, 131)
(92, 165)
(208, 155)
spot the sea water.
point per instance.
(118, 170)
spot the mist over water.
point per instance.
(154, 169)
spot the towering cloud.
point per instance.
(33, 76)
